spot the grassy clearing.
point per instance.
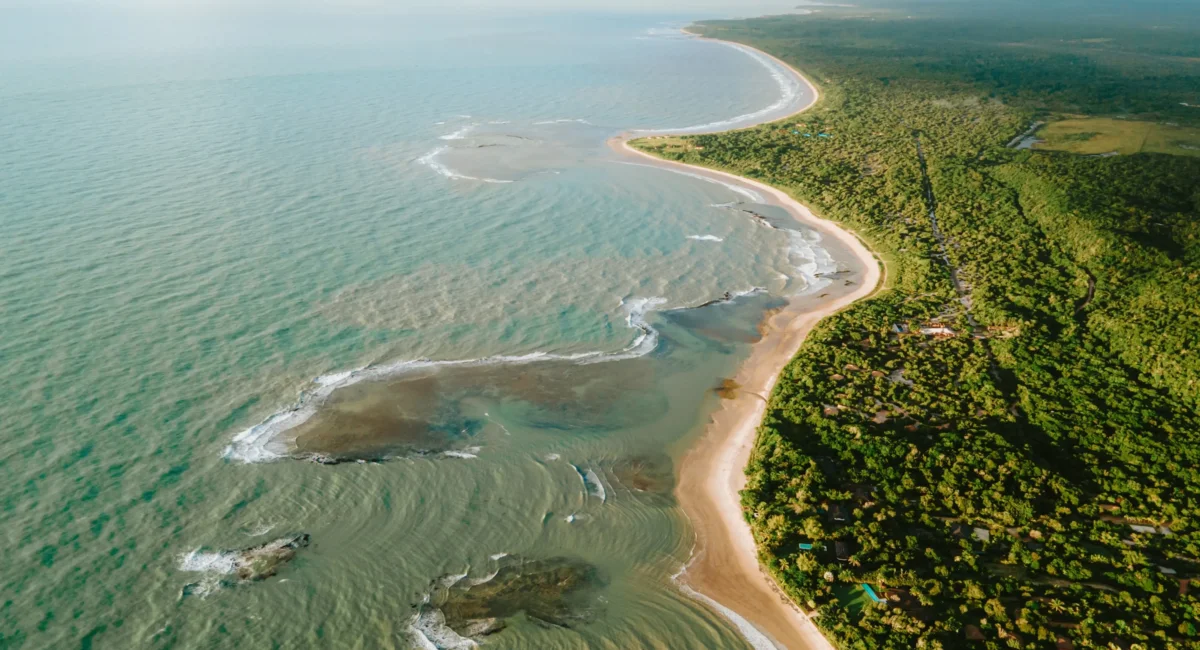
(852, 597)
(1100, 135)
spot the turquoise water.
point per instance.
(219, 264)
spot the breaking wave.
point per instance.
(261, 442)
(198, 561)
(428, 630)
(459, 134)
(712, 238)
(790, 88)
(751, 634)
(469, 452)
(430, 160)
(562, 121)
(810, 259)
(750, 194)
(591, 483)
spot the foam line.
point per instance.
(429, 630)
(198, 561)
(789, 89)
(261, 442)
(810, 259)
(750, 194)
(753, 636)
(459, 134)
(430, 160)
(591, 483)
(562, 121)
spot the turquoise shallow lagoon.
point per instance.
(411, 257)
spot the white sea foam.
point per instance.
(810, 259)
(647, 339)
(562, 121)
(750, 194)
(429, 630)
(431, 161)
(418, 640)
(261, 442)
(474, 582)
(261, 529)
(790, 88)
(753, 636)
(592, 484)
(706, 238)
(498, 556)
(752, 291)
(666, 32)
(332, 378)
(452, 579)
(552, 457)
(198, 561)
(596, 487)
(460, 134)
(469, 452)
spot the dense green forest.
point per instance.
(1026, 478)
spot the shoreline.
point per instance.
(724, 566)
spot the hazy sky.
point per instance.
(39, 29)
(742, 7)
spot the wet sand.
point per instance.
(725, 565)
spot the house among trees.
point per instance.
(837, 512)
(843, 550)
(937, 330)
(863, 492)
(1053, 258)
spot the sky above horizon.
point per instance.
(33, 30)
(396, 6)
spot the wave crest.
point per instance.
(261, 442)
(430, 160)
(790, 88)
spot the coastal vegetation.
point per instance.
(1003, 445)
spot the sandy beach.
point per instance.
(724, 567)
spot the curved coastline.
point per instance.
(724, 568)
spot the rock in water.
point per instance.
(229, 568)
(558, 592)
(263, 561)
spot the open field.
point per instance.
(1100, 135)
(852, 597)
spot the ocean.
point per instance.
(394, 294)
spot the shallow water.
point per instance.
(215, 268)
